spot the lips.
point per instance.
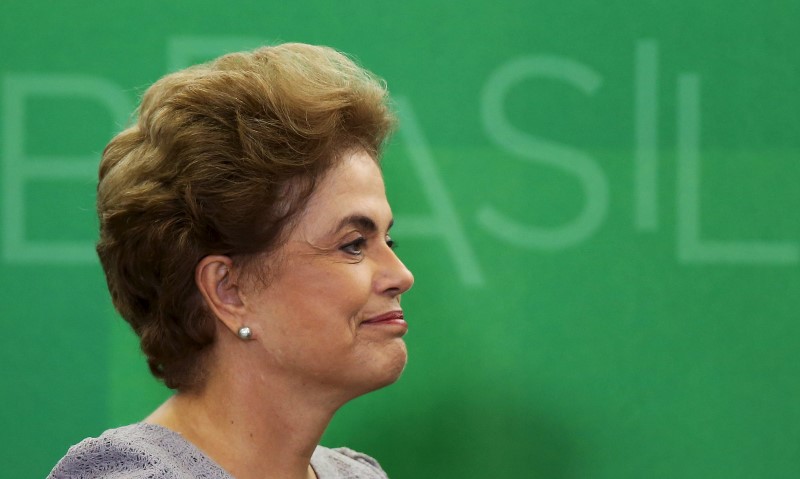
(392, 317)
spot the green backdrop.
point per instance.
(599, 201)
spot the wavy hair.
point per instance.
(222, 156)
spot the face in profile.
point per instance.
(330, 312)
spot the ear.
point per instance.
(217, 282)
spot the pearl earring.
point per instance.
(245, 333)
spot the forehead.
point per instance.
(354, 185)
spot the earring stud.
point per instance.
(245, 333)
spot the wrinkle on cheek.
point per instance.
(354, 327)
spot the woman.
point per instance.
(244, 233)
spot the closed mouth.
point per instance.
(391, 316)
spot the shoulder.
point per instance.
(344, 463)
(138, 450)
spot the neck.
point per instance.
(252, 425)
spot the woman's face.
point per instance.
(330, 314)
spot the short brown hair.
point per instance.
(221, 158)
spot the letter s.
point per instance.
(536, 149)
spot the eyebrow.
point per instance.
(360, 221)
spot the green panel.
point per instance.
(598, 200)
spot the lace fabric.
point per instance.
(148, 451)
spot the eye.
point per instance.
(390, 242)
(355, 248)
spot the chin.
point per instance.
(396, 367)
(388, 369)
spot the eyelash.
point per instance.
(356, 247)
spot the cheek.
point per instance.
(344, 294)
(317, 306)
(319, 318)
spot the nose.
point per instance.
(394, 278)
